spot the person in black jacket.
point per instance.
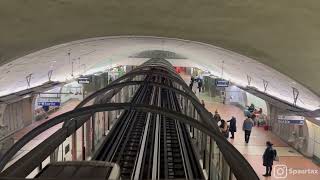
(233, 126)
(268, 157)
(200, 83)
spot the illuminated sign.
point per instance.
(222, 83)
(298, 120)
(84, 80)
(49, 104)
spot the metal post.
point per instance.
(74, 143)
(203, 144)
(210, 151)
(50, 75)
(222, 69)
(265, 85)
(69, 56)
(295, 93)
(83, 145)
(108, 121)
(28, 78)
(104, 123)
(72, 68)
(93, 131)
(249, 80)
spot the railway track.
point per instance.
(151, 146)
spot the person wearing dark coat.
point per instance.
(200, 85)
(233, 126)
(251, 108)
(191, 84)
(268, 157)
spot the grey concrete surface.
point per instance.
(284, 34)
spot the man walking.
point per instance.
(268, 157)
(247, 127)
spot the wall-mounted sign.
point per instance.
(84, 80)
(49, 103)
(297, 120)
(222, 83)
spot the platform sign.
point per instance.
(46, 103)
(295, 120)
(84, 80)
(222, 83)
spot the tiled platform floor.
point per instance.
(254, 149)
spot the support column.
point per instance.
(74, 146)
(93, 132)
(88, 137)
(83, 144)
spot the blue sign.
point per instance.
(222, 83)
(49, 103)
(84, 80)
(297, 120)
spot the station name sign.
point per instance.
(56, 104)
(297, 120)
(84, 80)
(222, 83)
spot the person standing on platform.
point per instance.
(233, 126)
(247, 127)
(192, 79)
(224, 128)
(251, 108)
(191, 85)
(268, 157)
(202, 102)
(217, 116)
(200, 85)
(191, 82)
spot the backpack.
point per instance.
(275, 156)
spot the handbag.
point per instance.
(276, 157)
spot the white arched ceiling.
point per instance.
(98, 54)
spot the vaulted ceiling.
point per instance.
(284, 35)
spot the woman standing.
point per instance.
(233, 126)
(224, 128)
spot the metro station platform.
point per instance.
(68, 106)
(253, 151)
(169, 131)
